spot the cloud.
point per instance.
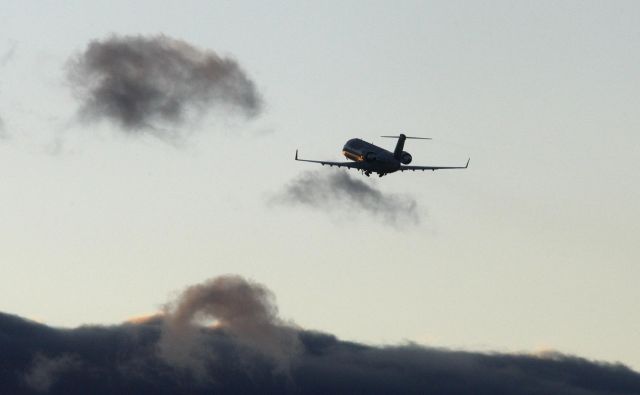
(331, 191)
(240, 355)
(147, 83)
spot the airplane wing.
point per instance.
(423, 168)
(350, 165)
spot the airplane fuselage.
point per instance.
(373, 158)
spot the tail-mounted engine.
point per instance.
(405, 158)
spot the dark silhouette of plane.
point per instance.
(369, 158)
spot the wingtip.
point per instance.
(296, 154)
(467, 165)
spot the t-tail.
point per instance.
(397, 153)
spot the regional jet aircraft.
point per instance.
(369, 158)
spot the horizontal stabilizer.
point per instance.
(408, 137)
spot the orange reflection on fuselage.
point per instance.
(352, 156)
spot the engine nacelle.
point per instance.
(370, 156)
(405, 158)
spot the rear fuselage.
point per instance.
(373, 158)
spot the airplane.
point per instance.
(369, 158)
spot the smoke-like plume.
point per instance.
(330, 191)
(146, 83)
(238, 357)
(243, 309)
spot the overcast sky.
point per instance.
(534, 247)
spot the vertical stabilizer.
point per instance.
(399, 146)
(397, 153)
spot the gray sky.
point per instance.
(534, 247)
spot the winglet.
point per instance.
(296, 154)
(467, 165)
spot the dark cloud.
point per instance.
(338, 191)
(147, 83)
(241, 352)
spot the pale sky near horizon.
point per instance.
(534, 247)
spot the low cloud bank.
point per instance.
(234, 342)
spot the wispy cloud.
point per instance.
(7, 55)
(337, 191)
(44, 371)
